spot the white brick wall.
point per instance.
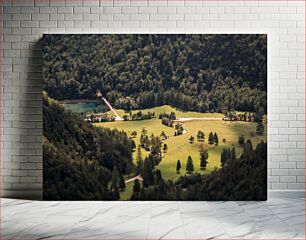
(24, 22)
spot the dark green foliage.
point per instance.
(165, 148)
(136, 186)
(241, 140)
(259, 128)
(79, 157)
(148, 177)
(191, 72)
(134, 134)
(133, 145)
(178, 166)
(216, 139)
(211, 139)
(191, 140)
(203, 157)
(179, 129)
(121, 183)
(189, 165)
(228, 154)
(200, 136)
(139, 161)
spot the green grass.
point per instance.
(179, 146)
(169, 109)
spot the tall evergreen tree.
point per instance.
(191, 139)
(216, 140)
(203, 157)
(139, 161)
(189, 165)
(121, 183)
(241, 140)
(165, 148)
(211, 138)
(115, 178)
(259, 128)
(233, 153)
(178, 166)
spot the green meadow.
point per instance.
(179, 147)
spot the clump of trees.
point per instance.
(213, 138)
(139, 116)
(167, 119)
(179, 129)
(189, 165)
(200, 136)
(203, 157)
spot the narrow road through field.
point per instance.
(118, 118)
(134, 178)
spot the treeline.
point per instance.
(79, 159)
(192, 72)
(243, 178)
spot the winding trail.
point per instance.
(118, 118)
(134, 178)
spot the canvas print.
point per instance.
(155, 117)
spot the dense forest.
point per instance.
(79, 158)
(243, 178)
(192, 72)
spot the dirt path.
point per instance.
(118, 118)
(134, 178)
(197, 119)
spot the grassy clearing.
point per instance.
(180, 148)
(169, 109)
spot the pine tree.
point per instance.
(241, 140)
(200, 136)
(189, 165)
(216, 140)
(191, 139)
(259, 128)
(139, 161)
(211, 138)
(133, 145)
(115, 178)
(121, 183)
(223, 157)
(233, 153)
(144, 131)
(136, 186)
(178, 166)
(116, 194)
(134, 134)
(148, 177)
(165, 148)
(163, 135)
(203, 157)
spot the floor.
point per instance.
(274, 219)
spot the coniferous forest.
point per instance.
(191, 72)
(155, 117)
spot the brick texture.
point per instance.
(24, 22)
